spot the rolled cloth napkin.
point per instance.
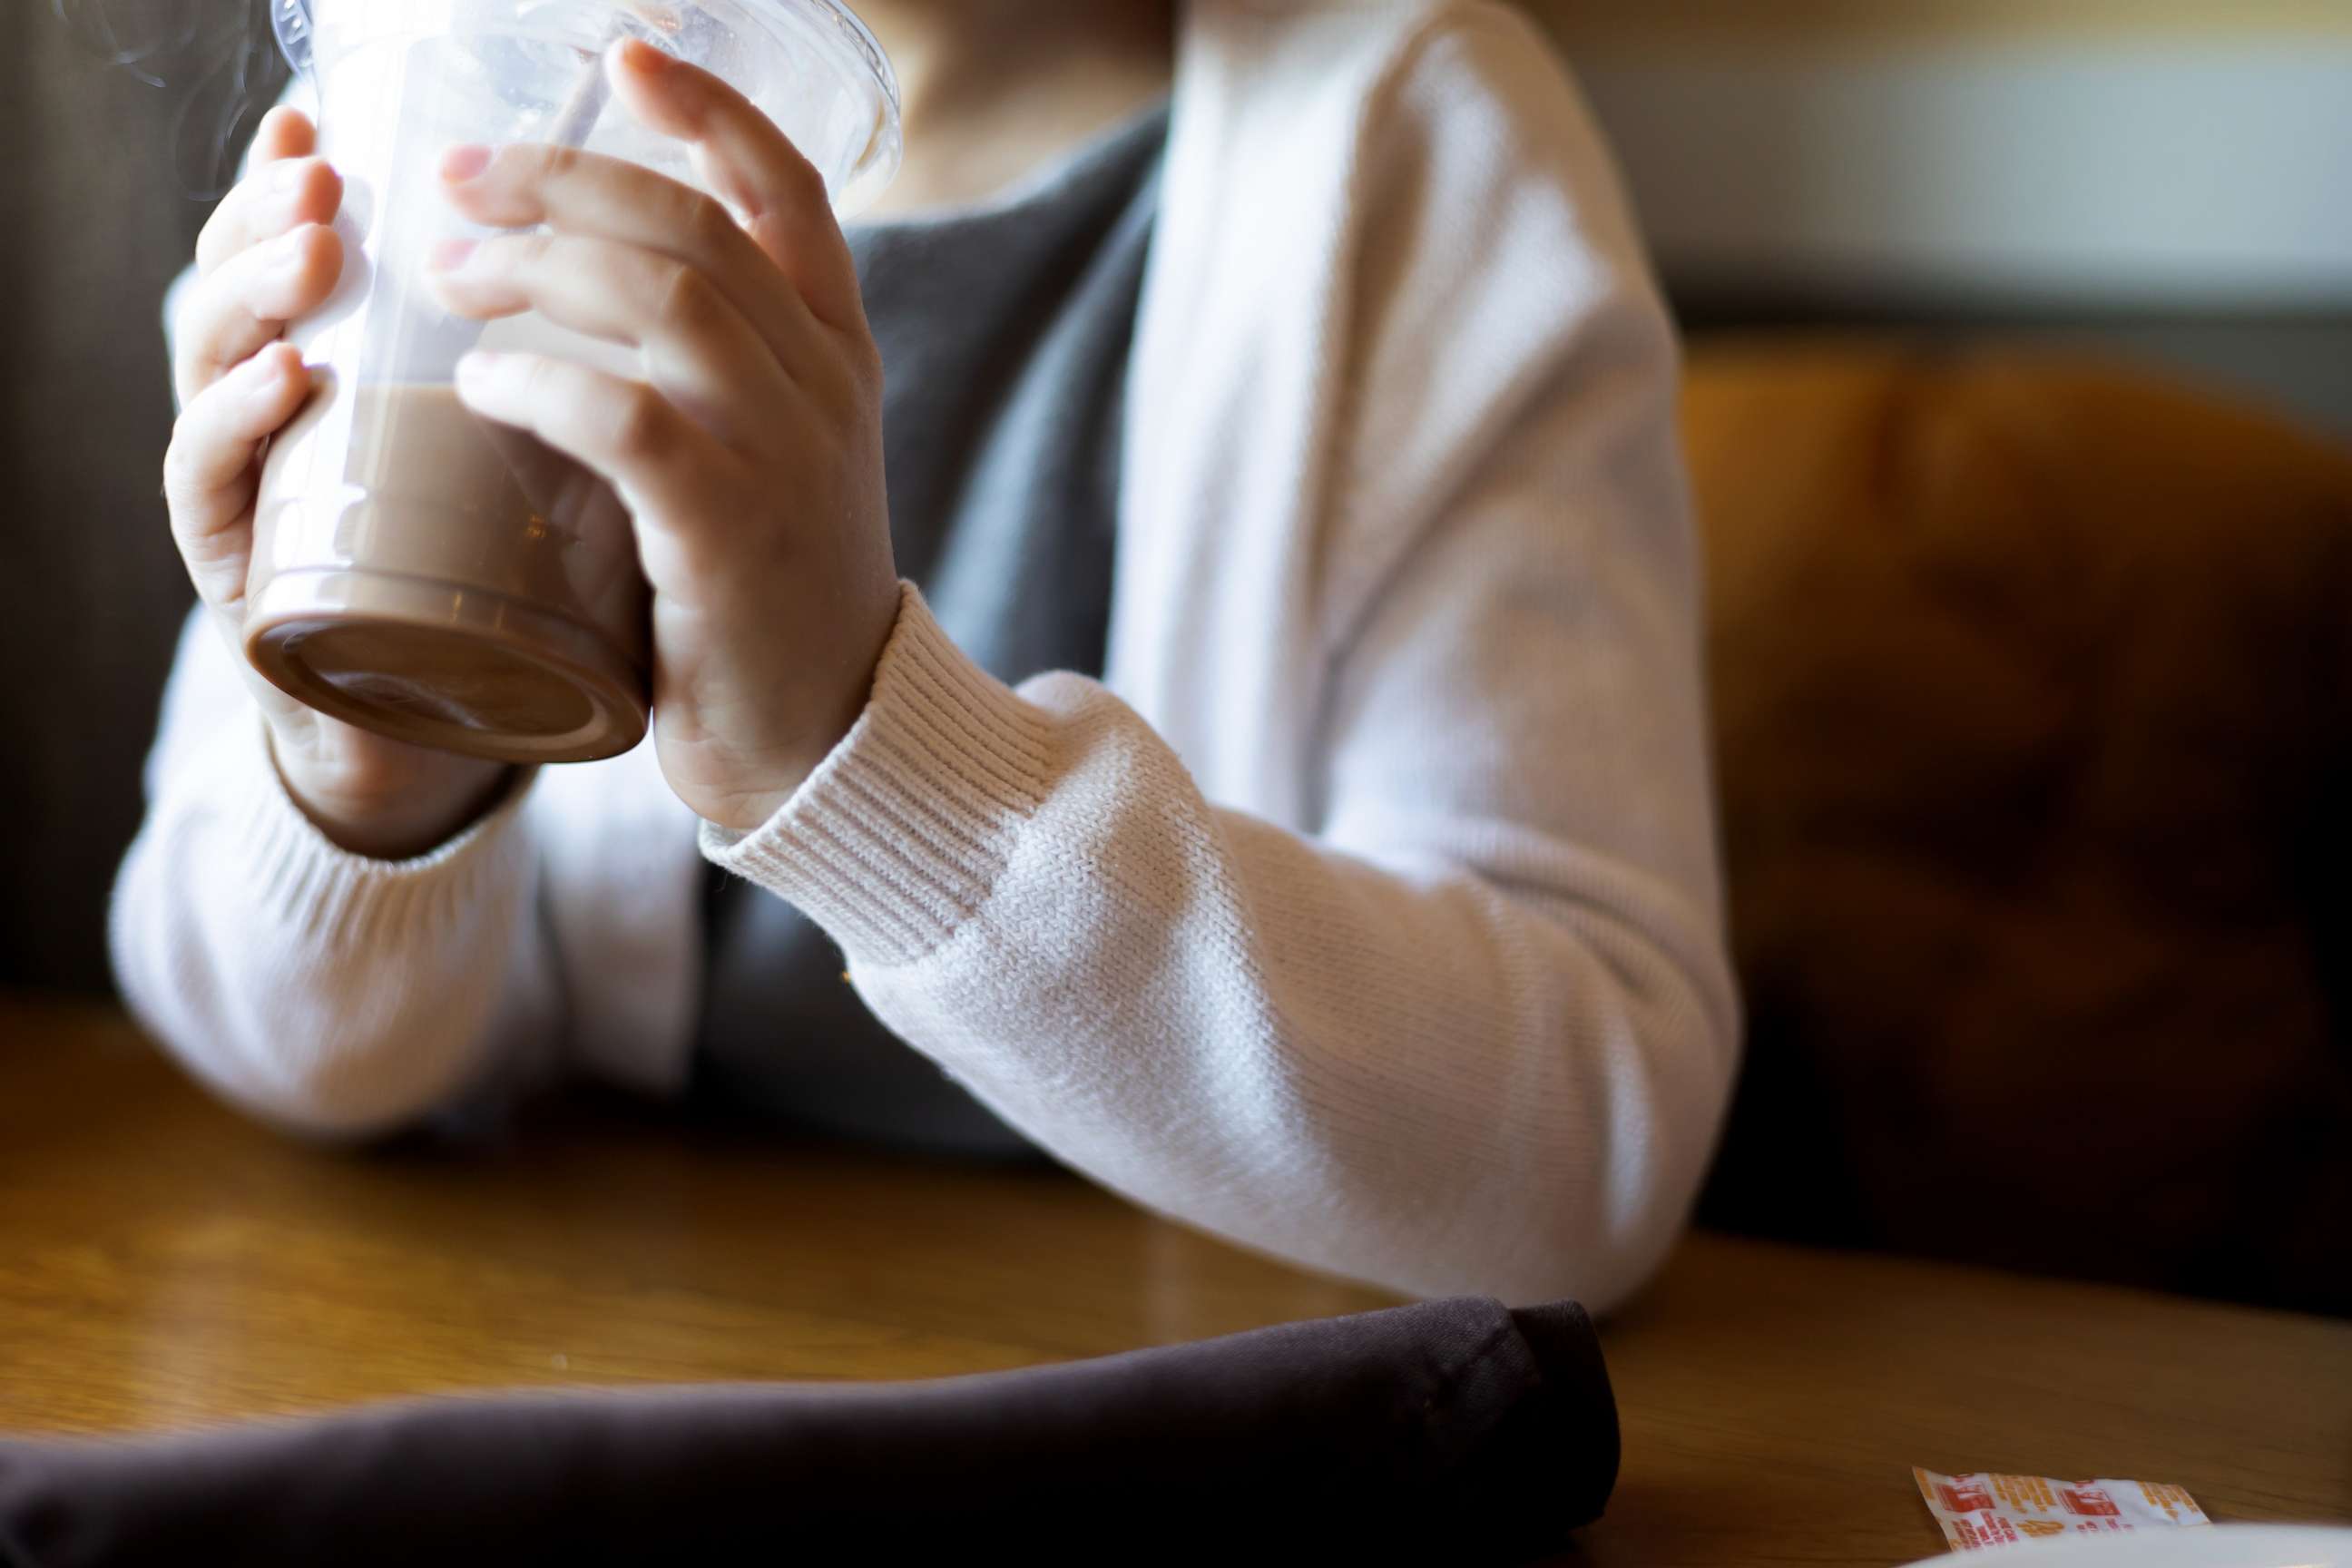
(1455, 1431)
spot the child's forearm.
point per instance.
(1413, 1077)
(324, 991)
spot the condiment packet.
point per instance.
(1985, 1510)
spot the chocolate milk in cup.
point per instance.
(424, 573)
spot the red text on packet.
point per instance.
(1964, 1494)
(1991, 1531)
(2090, 1500)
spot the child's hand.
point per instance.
(749, 453)
(265, 257)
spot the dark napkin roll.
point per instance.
(1454, 1431)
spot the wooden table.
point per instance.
(163, 1262)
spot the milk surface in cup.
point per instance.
(419, 572)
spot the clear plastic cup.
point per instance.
(415, 571)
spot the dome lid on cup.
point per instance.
(811, 64)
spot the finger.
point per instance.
(284, 132)
(209, 473)
(581, 194)
(751, 166)
(697, 348)
(231, 314)
(284, 195)
(667, 467)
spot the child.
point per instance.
(1289, 369)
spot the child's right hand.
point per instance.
(265, 257)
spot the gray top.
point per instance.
(1005, 333)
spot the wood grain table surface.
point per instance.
(165, 1262)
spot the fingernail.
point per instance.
(642, 56)
(451, 253)
(474, 371)
(293, 251)
(460, 164)
(287, 175)
(258, 379)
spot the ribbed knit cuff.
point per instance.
(306, 882)
(900, 834)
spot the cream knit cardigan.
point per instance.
(1366, 912)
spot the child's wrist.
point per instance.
(398, 805)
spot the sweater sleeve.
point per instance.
(1436, 1049)
(332, 993)
(1476, 1030)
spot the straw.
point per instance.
(585, 105)
(589, 95)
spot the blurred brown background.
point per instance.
(2022, 362)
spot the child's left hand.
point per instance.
(749, 455)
